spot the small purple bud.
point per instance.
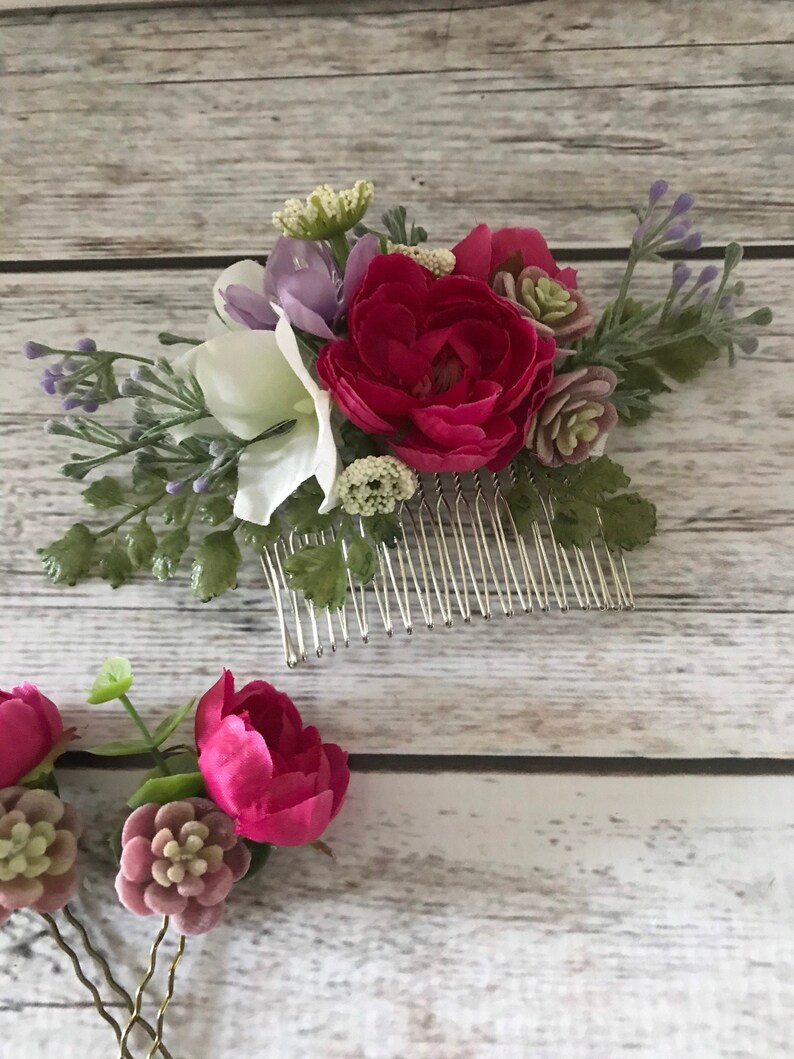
(68, 403)
(658, 191)
(69, 366)
(48, 384)
(681, 274)
(174, 488)
(749, 344)
(682, 204)
(639, 233)
(34, 350)
(675, 233)
(694, 241)
(708, 275)
(726, 301)
(217, 448)
(90, 406)
(703, 295)
(201, 484)
(85, 345)
(55, 371)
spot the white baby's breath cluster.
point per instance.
(326, 212)
(438, 260)
(375, 485)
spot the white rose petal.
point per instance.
(245, 274)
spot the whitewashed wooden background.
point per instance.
(568, 836)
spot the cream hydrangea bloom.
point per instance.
(252, 381)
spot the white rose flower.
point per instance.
(251, 381)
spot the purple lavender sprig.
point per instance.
(84, 377)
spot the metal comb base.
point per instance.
(461, 557)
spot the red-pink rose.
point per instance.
(483, 252)
(30, 726)
(276, 779)
(446, 370)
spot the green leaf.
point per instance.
(525, 505)
(215, 510)
(642, 382)
(258, 537)
(170, 550)
(104, 494)
(120, 748)
(629, 521)
(113, 680)
(260, 854)
(685, 360)
(383, 529)
(69, 558)
(575, 523)
(319, 572)
(361, 560)
(145, 481)
(164, 789)
(595, 478)
(114, 841)
(178, 763)
(170, 723)
(174, 510)
(356, 444)
(215, 565)
(115, 565)
(301, 510)
(141, 543)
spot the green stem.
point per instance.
(107, 354)
(130, 515)
(339, 246)
(159, 758)
(617, 311)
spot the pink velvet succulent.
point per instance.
(180, 860)
(38, 848)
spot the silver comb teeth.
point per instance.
(461, 557)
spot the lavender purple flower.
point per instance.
(658, 190)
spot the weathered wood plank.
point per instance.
(554, 916)
(182, 129)
(715, 586)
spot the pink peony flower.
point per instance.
(483, 252)
(180, 860)
(275, 778)
(30, 726)
(38, 848)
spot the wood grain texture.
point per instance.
(714, 589)
(469, 918)
(181, 129)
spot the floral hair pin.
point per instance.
(205, 818)
(398, 433)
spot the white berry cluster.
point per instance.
(375, 485)
(325, 212)
(439, 261)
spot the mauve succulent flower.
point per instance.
(38, 848)
(557, 311)
(180, 860)
(573, 423)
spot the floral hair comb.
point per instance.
(399, 433)
(205, 818)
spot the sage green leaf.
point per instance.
(685, 360)
(629, 521)
(319, 572)
(258, 537)
(145, 481)
(383, 529)
(525, 505)
(69, 558)
(215, 565)
(164, 789)
(575, 523)
(178, 762)
(361, 560)
(141, 543)
(120, 748)
(170, 723)
(174, 509)
(104, 493)
(301, 510)
(595, 478)
(169, 551)
(113, 679)
(116, 566)
(215, 510)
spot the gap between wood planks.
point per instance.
(523, 764)
(754, 252)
